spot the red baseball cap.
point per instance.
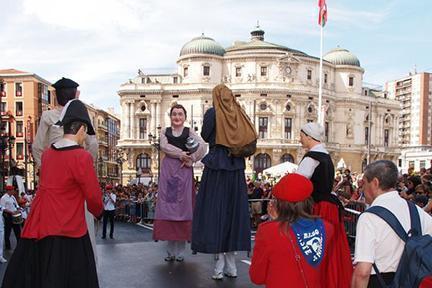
(293, 188)
(9, 187)
(108, 187)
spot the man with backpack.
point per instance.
(381, 252)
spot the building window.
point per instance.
(18, 108)
(411, 164)
(175, 79)
(288, 107)
(365, 92)
(19, 129)
(263, 106)
(309, 121)
(366, 135)
(310, 109)
(309, 74)
(142, 128)
(18, 89)
(287, 158)
(351, 81)
(288, 128)
(263, 126)
(325, 78)
(3, 107)
(143, 161)
(2, 89)
(238, 71)
(422, 164)
(185, 71)
(261, 162)
(19, 150)
(386, 137)
(206, 70)
(264, 71)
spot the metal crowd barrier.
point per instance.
(134, 211)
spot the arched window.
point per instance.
(143, 161)
(261, 162)
(287, 158)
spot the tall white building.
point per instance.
(414, 93)
(278, 88)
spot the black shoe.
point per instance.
(112, 237)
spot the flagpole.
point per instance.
(320, 112)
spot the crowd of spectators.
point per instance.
(135, 203)
(413, 186)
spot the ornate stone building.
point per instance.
(278, 88)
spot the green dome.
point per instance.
(339, 56)
(202, 45)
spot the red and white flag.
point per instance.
(322, 18)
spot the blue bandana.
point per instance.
(310, 236)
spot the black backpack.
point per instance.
(416, 261)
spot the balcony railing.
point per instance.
(103, 126)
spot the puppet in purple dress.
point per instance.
(176, 196)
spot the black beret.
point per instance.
(75, 110)
(64, 83)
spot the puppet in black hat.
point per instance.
(75, 110)
(66, 90)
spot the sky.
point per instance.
(102, 43)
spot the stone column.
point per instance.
(158, 114)
(132, 120)
(123, 119)
(152, 118)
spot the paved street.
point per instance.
(132, 259)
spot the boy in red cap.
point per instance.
(109, 201)
(292, 249)
(9, 207)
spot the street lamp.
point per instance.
(121, 157)
(100, 160)
(155, 142)
(7, 142)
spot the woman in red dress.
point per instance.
(292, 250)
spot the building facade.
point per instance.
(278, 88)
(24, 96)
(107, 128)
(414, 93)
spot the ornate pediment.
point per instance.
(142, 109)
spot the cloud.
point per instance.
(102, 43)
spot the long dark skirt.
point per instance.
(221, 216)
(53, 262)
